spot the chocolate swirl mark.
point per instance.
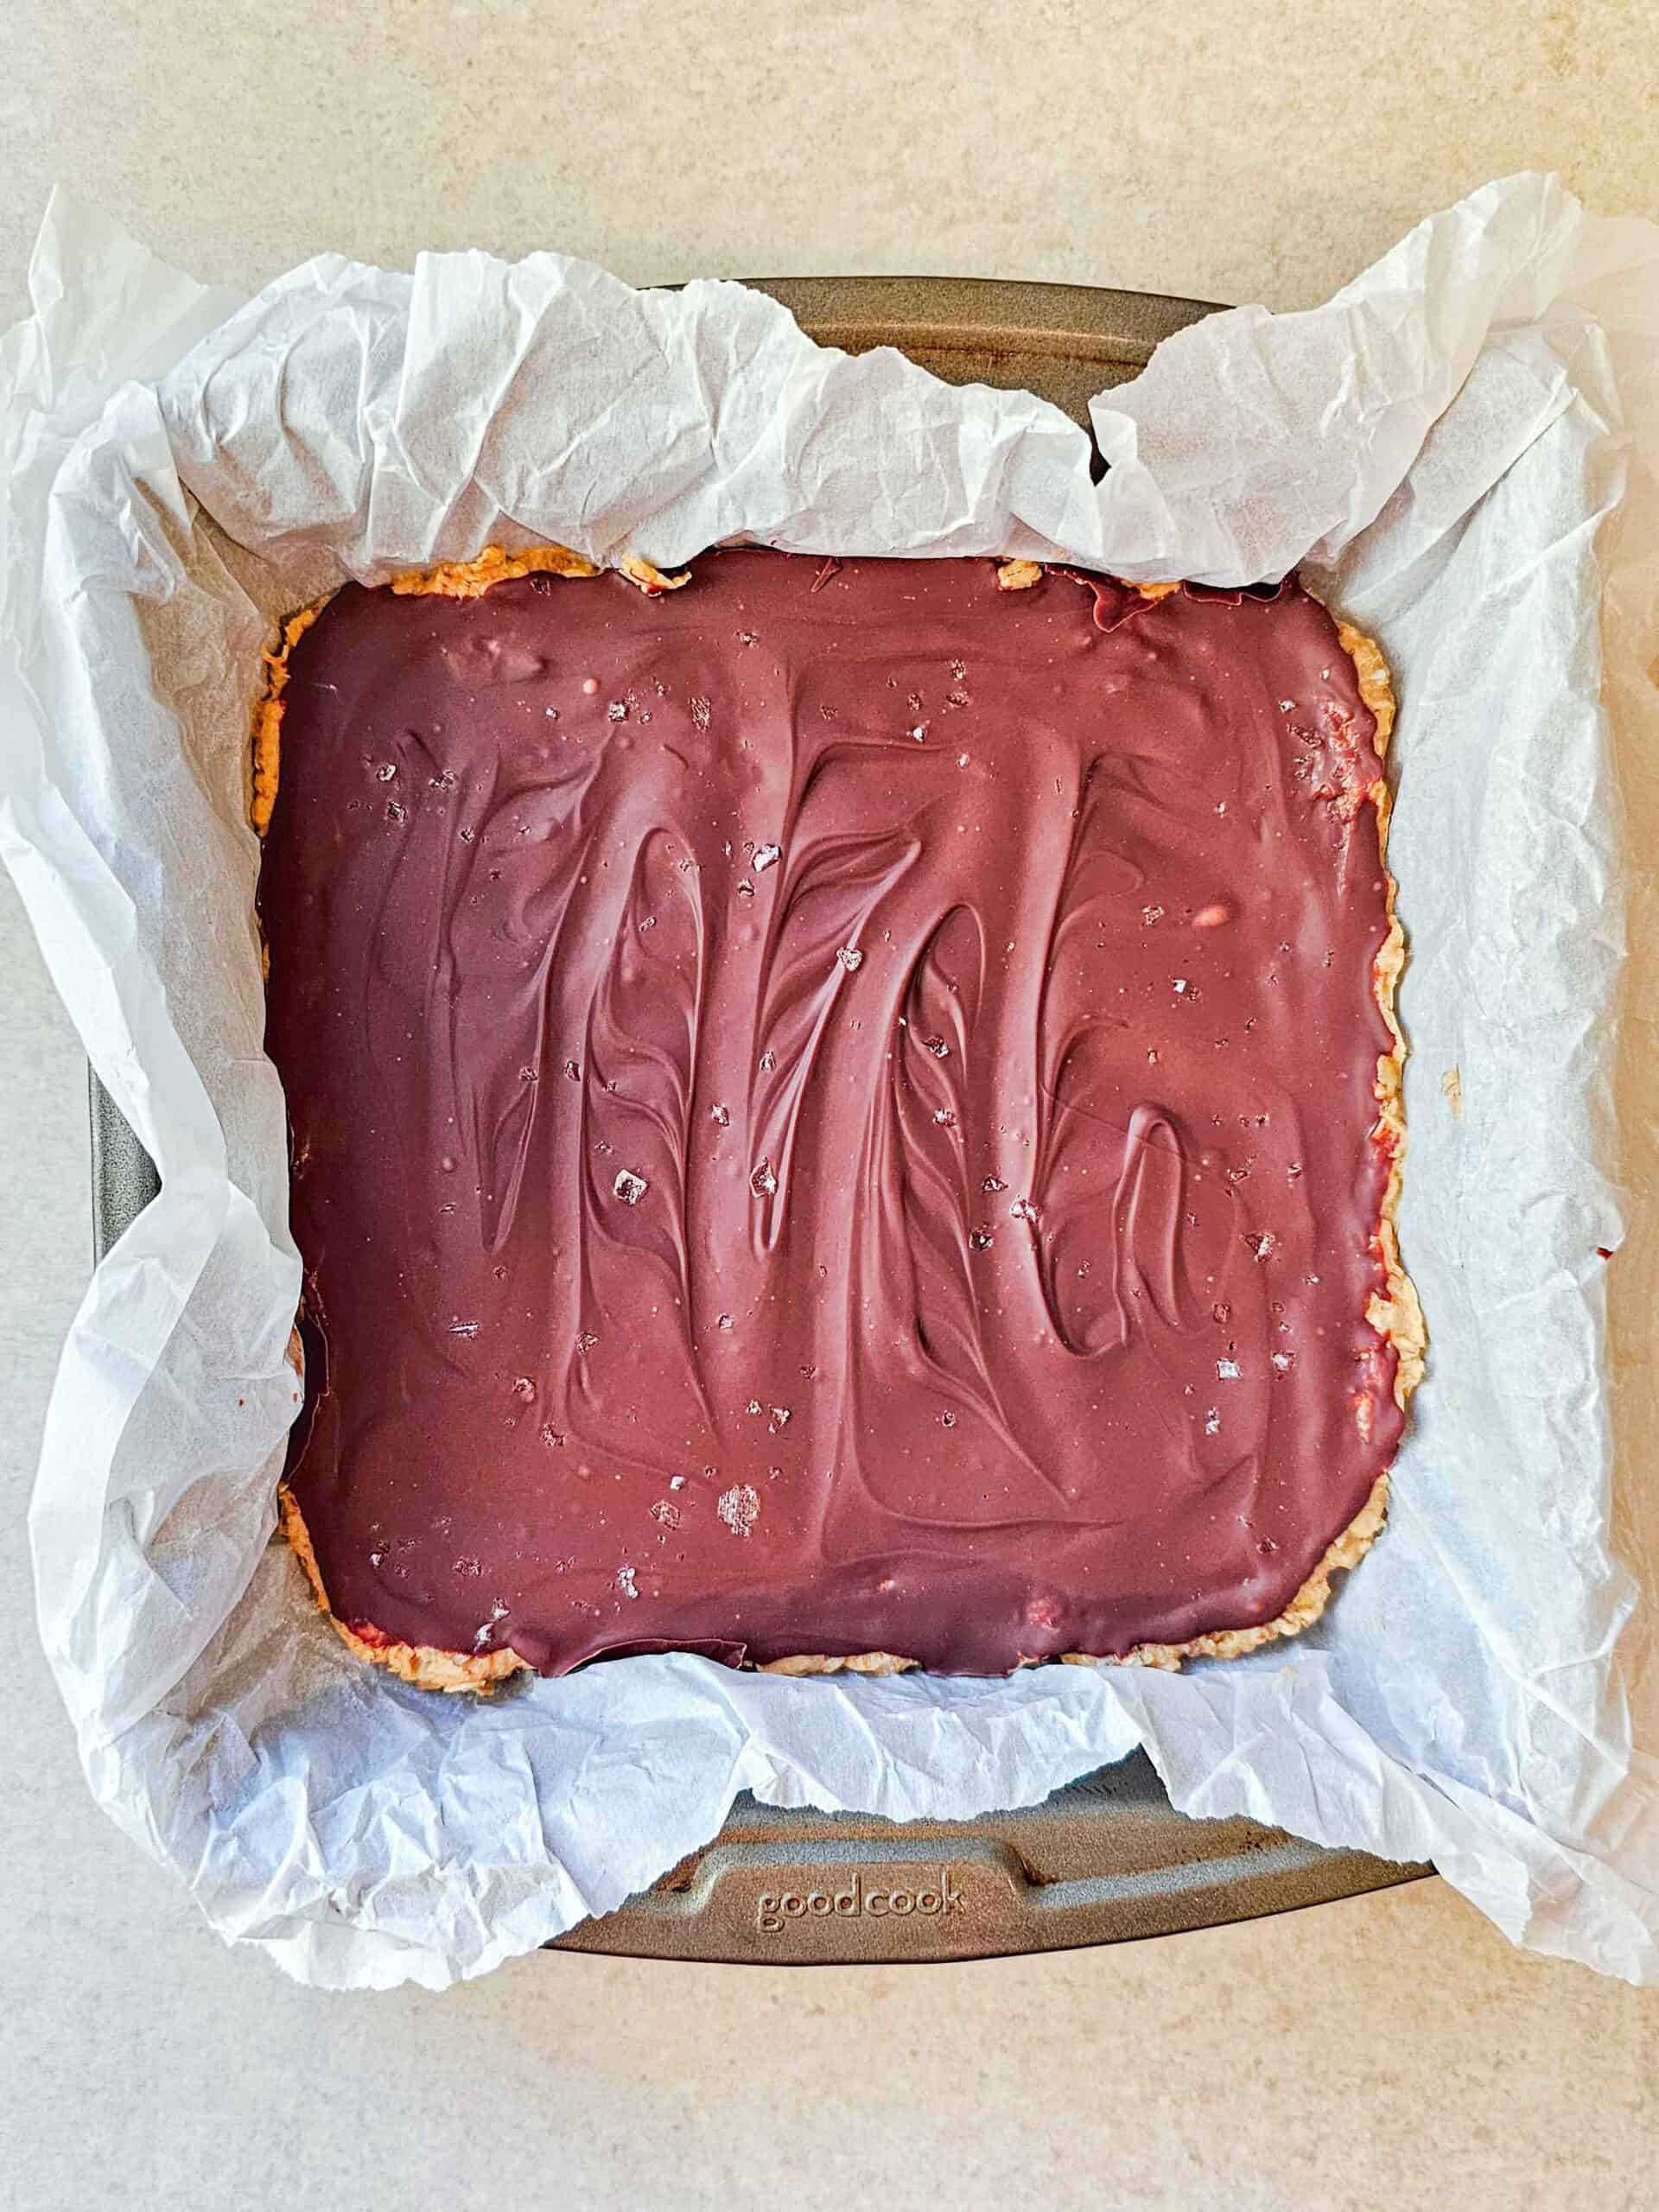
(531, 840)
(1143, 1256)
(928, 1098)
(1089, 884)
(1085, 882)
(914, 1352)
(1119, 1263)
(828, 899)
(524, 849)
(638, 1064)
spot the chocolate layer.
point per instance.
(831, 1110)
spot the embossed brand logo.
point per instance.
(935, 1897)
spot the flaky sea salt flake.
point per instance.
(738, 1508)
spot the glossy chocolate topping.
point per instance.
(831, 1110)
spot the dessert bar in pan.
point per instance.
(843, 1113)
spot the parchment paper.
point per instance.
(1440, 445)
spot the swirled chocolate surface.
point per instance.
(830, 1110)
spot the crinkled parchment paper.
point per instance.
(1461, 450)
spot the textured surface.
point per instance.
(807, 1091)
(136, 2057)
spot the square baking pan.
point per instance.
(1108, 1858)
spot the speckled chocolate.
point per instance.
(832, 1111)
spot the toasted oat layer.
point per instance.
(1397, 1314)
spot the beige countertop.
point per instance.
(1389, 2050)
